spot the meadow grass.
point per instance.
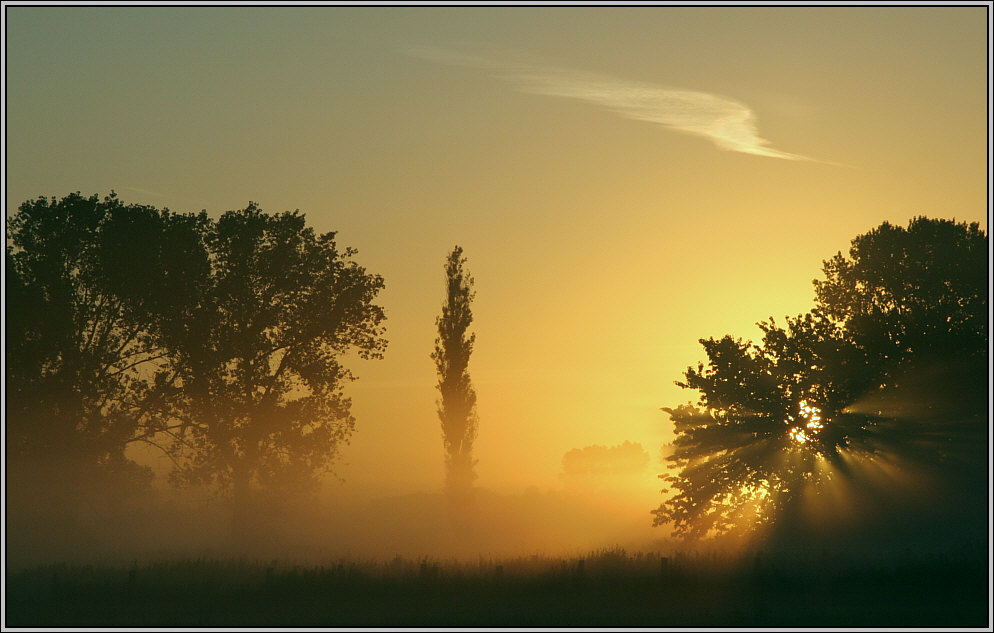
(608, 587)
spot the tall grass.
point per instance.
(609, 587)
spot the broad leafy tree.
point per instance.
(453, 347)
(751, 443)
(915, 300)
(90, 285)
(261, 405)
(890, 365)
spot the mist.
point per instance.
(335, 521)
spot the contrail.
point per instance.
(729, 124)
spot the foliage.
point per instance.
(453, 347)
(915, 301)
(218, 342)
(892, 360)
(918, 290)
(89, 283)
(260, 388)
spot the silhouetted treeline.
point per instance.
(598, 461)
(871, 409)
(217, 341)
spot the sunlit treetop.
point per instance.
(892, 359)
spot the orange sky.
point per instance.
(624, 181)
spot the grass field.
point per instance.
(605, 588)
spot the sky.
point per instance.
(624, 180)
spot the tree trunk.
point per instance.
(241, 515)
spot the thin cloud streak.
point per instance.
(145, 191)
(728, 124)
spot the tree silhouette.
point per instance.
(453, 347)
(89, 284)
(915, 301)
(261, 381)
(604, 469)
(890, 366)
(598, 461)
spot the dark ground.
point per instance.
(609, 588)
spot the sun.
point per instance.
(806, 425)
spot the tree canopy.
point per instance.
(220, 342)
(623, 459)
(890, 366)
(261, 401)
(90, 287)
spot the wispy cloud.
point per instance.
(145, 191)
(729, 124)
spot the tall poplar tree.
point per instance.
(457, 406)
